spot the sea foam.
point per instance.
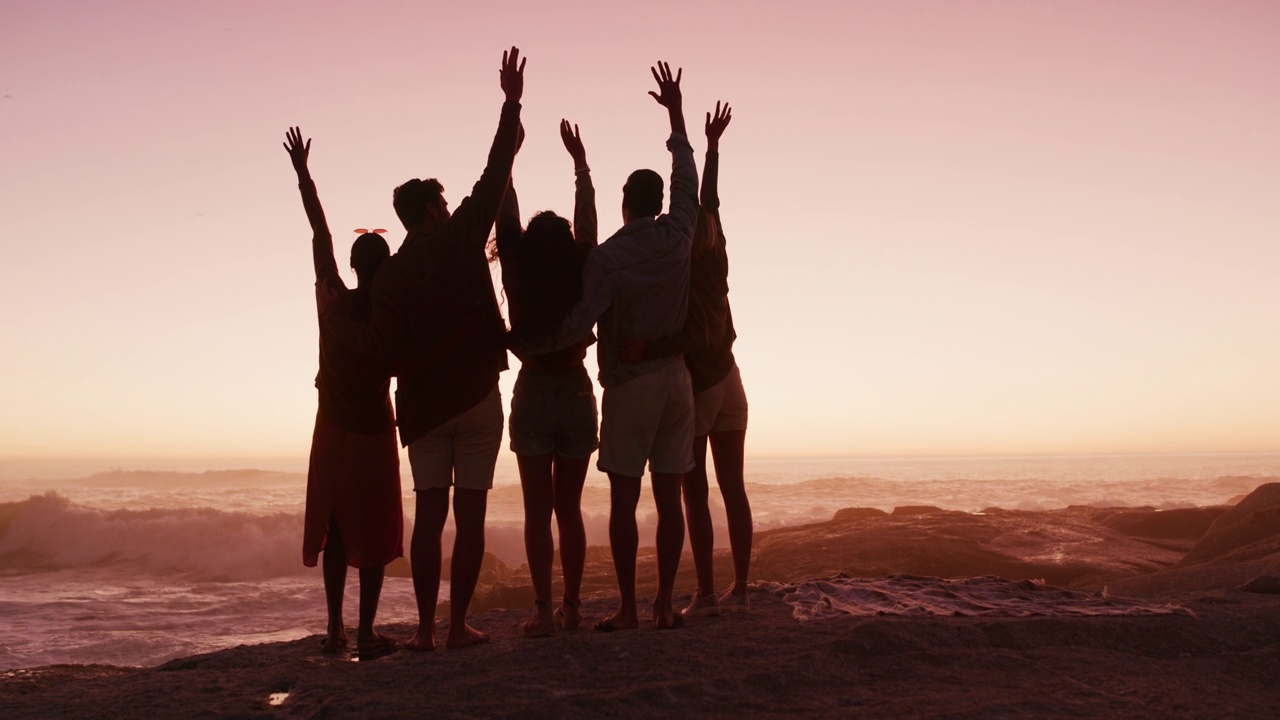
(49, 532)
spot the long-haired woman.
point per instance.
(553, 423)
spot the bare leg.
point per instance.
(370, 644)
(335, 581)
(469, 508)
(536, 486)
(666, 495)
(370, 593)
(570, 475)
(727, 452)
(432, 509)
(698, 515)
(624, 541)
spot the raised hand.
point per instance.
(511, 74)
(298, 151)
(717, 123)
(668, 94)
(573, 143)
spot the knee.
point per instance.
(694, 492)
(537, 511)
(568, 513)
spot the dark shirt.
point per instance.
(434, 309)
(353, 389)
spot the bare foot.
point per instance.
(467, 636)
(424, 640)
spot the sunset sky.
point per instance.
(954, 227)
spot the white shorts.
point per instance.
(462, 451)
(721, 407)
(648, 419)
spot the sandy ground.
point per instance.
(1219, 656)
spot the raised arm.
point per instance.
(684, 174)
(321, 239)
(711, 169)
(585, 227)
(669, 95)
(507, 228)
(470, 223)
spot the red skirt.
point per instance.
(355, 478)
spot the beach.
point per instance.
(914, 612)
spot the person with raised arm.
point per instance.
(435, 312)
(640, 276)
(720, 403)
(353, 507)
(553, 406)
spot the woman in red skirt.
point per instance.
(354, 510)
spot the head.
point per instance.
(546, 267)
(420, 203)
(642, 196)
(367, 254)
(548, 232)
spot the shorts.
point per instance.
(554, 412)
(648, 418)
(721, 407)
(462, 451)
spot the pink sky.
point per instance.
(955, 228)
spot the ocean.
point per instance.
(136, 567)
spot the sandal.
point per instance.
(377, 646)
(534, 627)
(568, 621)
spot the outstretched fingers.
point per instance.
(297, 149)
(511, 74)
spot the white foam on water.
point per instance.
(136, 568)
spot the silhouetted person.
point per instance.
(434, 309)
(640, 276)
(353, 511)
(720, 403)
(553, 407)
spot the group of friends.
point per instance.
(655, 291)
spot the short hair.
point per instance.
(367, 254)
(642, 193)
(412, 199)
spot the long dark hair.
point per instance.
(542, 275)
(367, 254)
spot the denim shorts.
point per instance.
(721, 407)
(554, 412)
